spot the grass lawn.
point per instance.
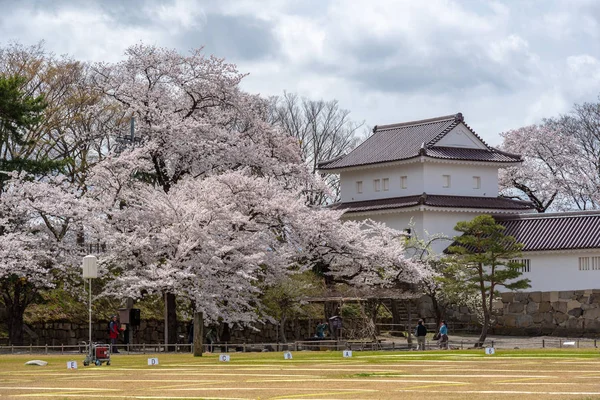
(469, 374)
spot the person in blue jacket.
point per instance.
(443, 335)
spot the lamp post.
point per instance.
(90, 271)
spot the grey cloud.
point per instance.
(235, 38)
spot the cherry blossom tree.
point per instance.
(538, 179)
(561, 169)
(210, 204)
(42, 223)
(60, 134)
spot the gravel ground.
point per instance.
(505, 342)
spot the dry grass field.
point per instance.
(514, 374)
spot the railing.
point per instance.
(313, 345)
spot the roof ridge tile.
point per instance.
(378, 128)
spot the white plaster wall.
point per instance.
(560, 271)
(461, 179)
(413, 172)
(461, 136)
(397, 220)
(435, 222)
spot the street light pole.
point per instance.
(90, 271)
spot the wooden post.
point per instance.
(198, 327)
(409, 337)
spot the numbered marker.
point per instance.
(224, 357)
(347, 353)
(489, 350)
(153, 361)
(287, 355)
(71, 364)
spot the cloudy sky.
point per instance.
(503, 64)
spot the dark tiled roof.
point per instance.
(411, 139)
(561, 231)
(456, 153)
(499, 203)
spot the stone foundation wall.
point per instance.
(152, 331)
(565, 313)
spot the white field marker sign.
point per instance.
(153, 361)
(224, 357)
(287, 355)
(489, 351)
(347, 353)
(71, 364)
(568, 343)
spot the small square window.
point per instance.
(446, 181)
(386, 184)
(359, 187)
(403, 180)
(376, 185)
(476, 182)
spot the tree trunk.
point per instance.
(226, 333)
(17, 296)
(170, 320)
(15, 329)
(486, 321)
(331, 309)
(198, 333)
(396, 318)
(409, 333)
(282, 329)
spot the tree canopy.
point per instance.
(483, 259)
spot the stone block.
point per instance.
(572, 304)
(560, 318)
(516, 308)
(497, 305)
(587, 306)
(574, 323)
(594, 313)
(535, 296)
(567, 294)
(575, 312)
(521, 296)
(532, 307)
(578, 294)
(510, 321)
(524, 321)
(537, 318)
(550, 296)
(560, 306)
(591, 325)
(507, 297)
(545, 306)
(595, 297)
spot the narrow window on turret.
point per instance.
(376, 185)
(403, 182)
(386, 184)
(476, 182)
(446, 181)
(359, 187)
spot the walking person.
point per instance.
(114, 329)
(420, 333)
(443, 336)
